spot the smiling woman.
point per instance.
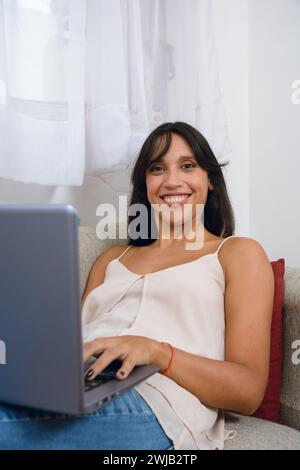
(203, 316)
(167, 294)
(178, 181)
(175, 160)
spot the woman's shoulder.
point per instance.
(236, 243)
(239, 252)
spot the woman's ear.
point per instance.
(210, 186)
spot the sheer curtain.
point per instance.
(82, 82)
(42, 47)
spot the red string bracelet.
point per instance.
(164, 372)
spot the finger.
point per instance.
(108, 356)
(128, 365)
(90, 348)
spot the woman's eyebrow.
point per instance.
(179, 159)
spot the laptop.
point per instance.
(40, 316)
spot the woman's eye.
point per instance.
(192, 165)
(155, 168)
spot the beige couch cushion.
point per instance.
(258, 434)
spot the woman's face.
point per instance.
(177, 179)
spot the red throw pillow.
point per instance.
(270, 407)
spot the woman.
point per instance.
(159, 302)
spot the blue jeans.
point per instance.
(124, 423)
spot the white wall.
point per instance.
(274, 63)
(231, 29)
(86, 198)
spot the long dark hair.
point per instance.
(218, 212)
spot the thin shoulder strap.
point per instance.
(123, 253)
(223, 242)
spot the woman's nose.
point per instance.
(172, 177)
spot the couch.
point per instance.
(252, 433)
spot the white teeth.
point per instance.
(172, 199)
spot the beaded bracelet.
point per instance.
(164, 372)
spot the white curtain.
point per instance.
(83, 82)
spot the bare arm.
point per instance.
(238, 383)
(97, 273)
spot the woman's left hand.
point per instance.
(132, 350)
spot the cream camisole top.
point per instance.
(182, 305)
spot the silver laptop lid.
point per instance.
(40, 319)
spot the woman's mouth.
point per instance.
(176, 200)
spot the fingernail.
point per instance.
(122, 373)
(89, 374)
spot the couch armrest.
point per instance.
(290, 391)
(90, 247)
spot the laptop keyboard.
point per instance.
(107, 374)
(99, 380)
